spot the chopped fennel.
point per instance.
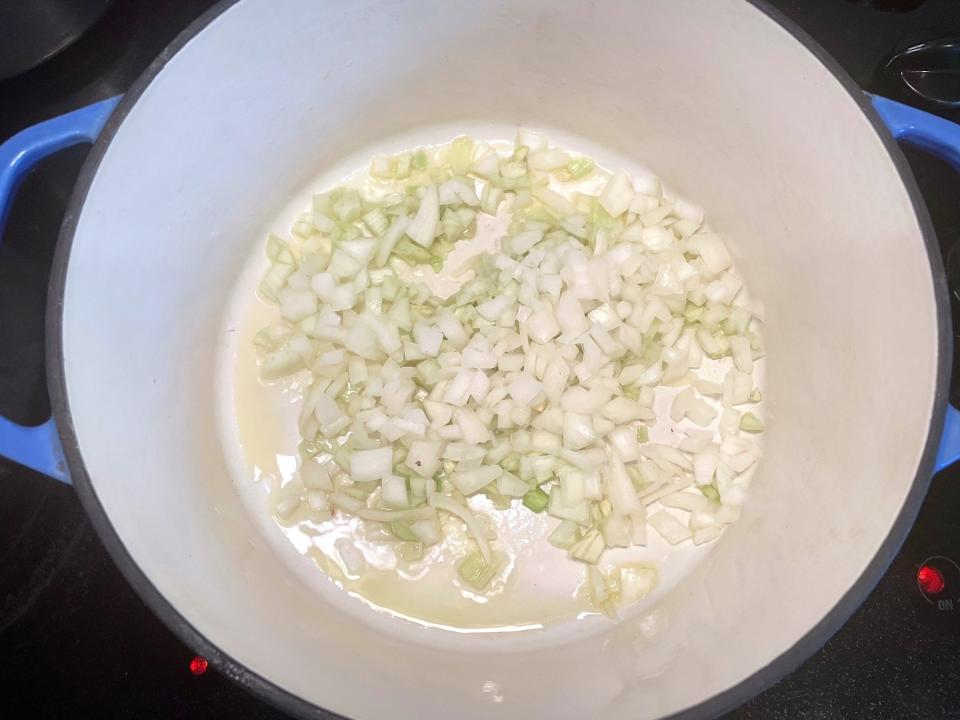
(533, 384)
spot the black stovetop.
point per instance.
(75, 639)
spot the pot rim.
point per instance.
(277, 696)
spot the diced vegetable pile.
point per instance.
(535, 381)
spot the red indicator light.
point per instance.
(198, 666)
(930, 580)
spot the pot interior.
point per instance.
(725, 105)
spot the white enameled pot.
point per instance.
(727, 102)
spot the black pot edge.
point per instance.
(723, 702)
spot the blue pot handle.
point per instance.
(941, 138)
(38, 447)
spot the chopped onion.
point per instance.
(691, 502)
(711, 249)
(551, 159)
(442, 502)
(394, 491)
(423, 228)
(669, 528)
(390, 239)
(367, 465)
(471, 481)
(707, 534)
(353, 560)
(424, 458)
(705, 464)
(620, 491)
(617, 194)
(536, 379)
(636, 582)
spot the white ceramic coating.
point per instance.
(716, 98)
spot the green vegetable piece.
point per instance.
(401, 170)
(411, 253)
(376, 220)
(419, 161)
(751, 423)
(536, 500)
(634, 472)
(511, 463)
(599, 217)
(643, 435)
(580, 167)
(401, 529)
(589, 548)
(475, 572)
(710, 492)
